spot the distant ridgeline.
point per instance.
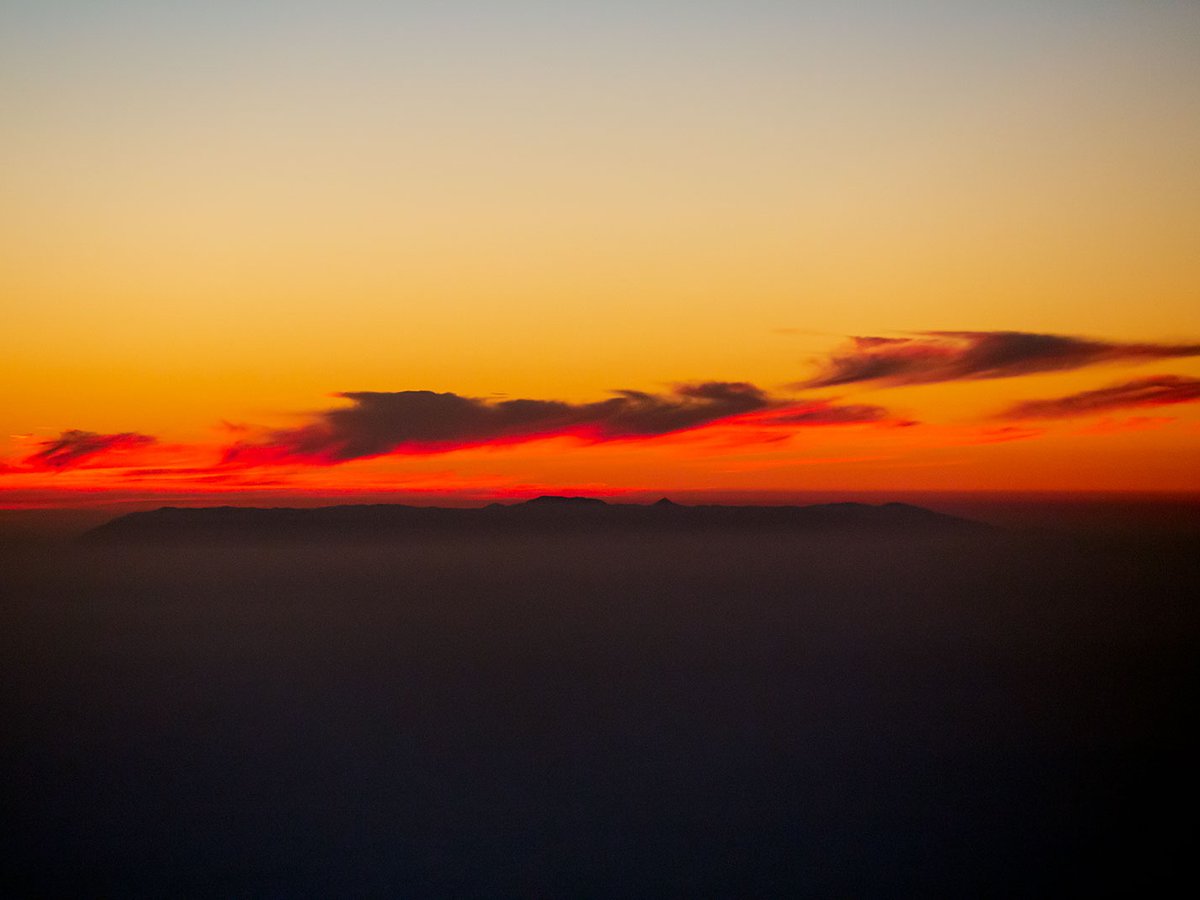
(543, 514)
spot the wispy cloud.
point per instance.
(1156, 390)
(74, 448)
(934, 356)
(1132, 423)
(822, 413)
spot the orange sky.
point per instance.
(216, 220)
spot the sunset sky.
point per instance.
(266, 251)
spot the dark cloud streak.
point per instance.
(935, 356)
(75, 447)
(830, 414)
(379, 423)
(1156, 390)
(418, 422)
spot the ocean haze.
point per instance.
(599, 712)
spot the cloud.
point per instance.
(419, 422)
(375, 424)
(933, 356)
(1001, 435)
(73, 448)
(824, 413)
(1157, 390)
(379, 423)
(1133, 423)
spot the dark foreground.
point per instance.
(599, 714)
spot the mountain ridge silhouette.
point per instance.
(546, 513)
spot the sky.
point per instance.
(269, 251)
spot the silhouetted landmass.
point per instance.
(550, 513)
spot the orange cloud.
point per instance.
(1133, 423)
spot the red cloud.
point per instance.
(73, 448)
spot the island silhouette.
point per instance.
(552, 513)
